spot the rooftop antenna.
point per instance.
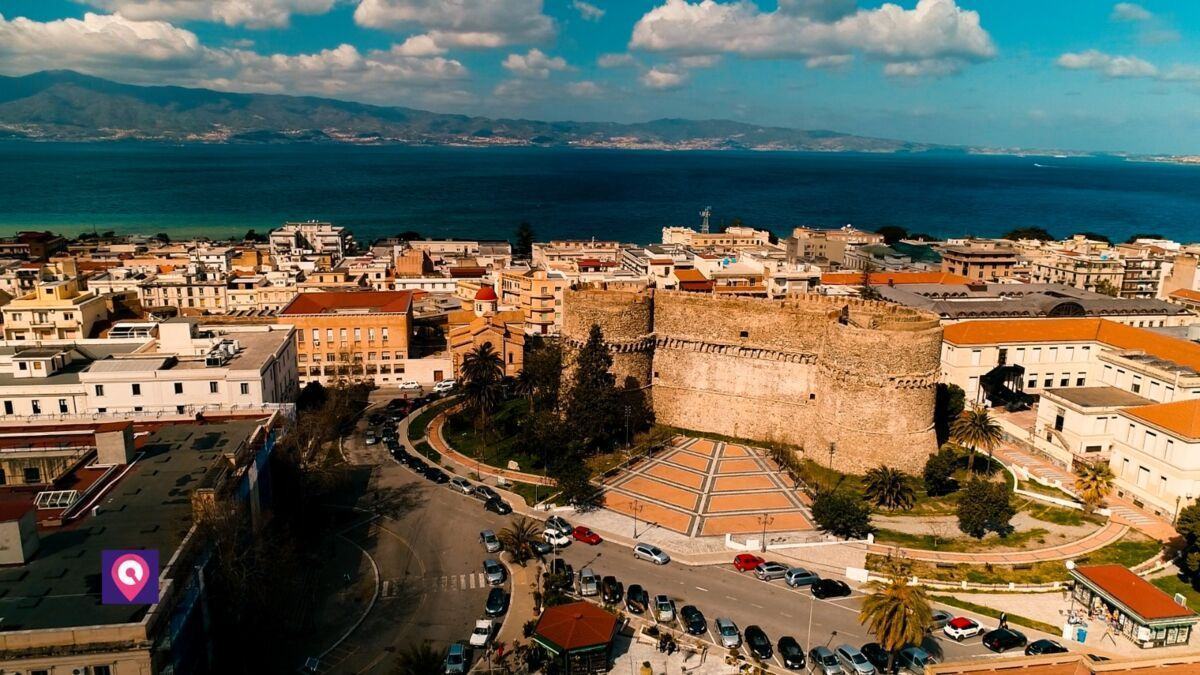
(704, 219)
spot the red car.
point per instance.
(585, 535)
(746, 561)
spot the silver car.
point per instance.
(560, 525)
(824, 662)
(462, 485)
(914, 659)
(854, 661)
(798, 576)
(664, 609)
(490, 542)
(652, 553)
(493, 571)
(727, 633)
(769, 571)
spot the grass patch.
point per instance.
(532, 494)
(425, 449)
(1059, 515)
(1031, 486)
(958, 544)
(995, 614)
(1172, 584)
(501, 444)
(946, 505)
(418, 427)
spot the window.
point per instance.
(358, 335)
(316, 336)
(137, 389)
(8, 408)
(744, 334)
(976, 356)
(1032, 381)
(137, 408)
(245, 386)
(33, 474)
(342, 334)
(3, 478)
(178, 387)
(370, 335)
(62, 405)
(329, 335)
(21, 365)
(37, 406)
(213, 388)
(1059, 419)
(1049, 381)
(101, 410)
(383, 332)
(1080, 379)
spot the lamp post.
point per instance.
(637, 508)
(765, 520)
(1175, 519)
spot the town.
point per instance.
(729, 451)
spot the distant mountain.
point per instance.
(68, 106)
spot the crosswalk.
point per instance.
(446, 583)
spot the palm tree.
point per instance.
(897, 613)
(419, 659)
(1093, 482)
(518, 538)
(482, 373)
(889, 488)
(975, 430)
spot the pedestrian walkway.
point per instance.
(1105, 536)
(437, 440)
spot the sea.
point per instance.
(224, 190)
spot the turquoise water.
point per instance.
(226, 190)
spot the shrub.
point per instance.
(985, 506)
(939, 472)
(842, 513)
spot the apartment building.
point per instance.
(311, 237)
(537, 294)
(1086, 268)
(731, 238)
(55, 310)
(562, 254)
(985, 262)
(809, 244)
(263, 293)
(1145, 269)
(192, 291)
(35, 246)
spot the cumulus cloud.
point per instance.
(585, 89)
(154, 52)
(534, 64)
(419, 45)
(936, 36)
(663, 78)
(467, 24)
(616, 60)
(587, 10)
(1107, 64)
(1129, 11)
(829, 62)
(249, 13)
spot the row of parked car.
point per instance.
(769, 570)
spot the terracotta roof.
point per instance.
(1111, 333)
(577, 625)
(1180, 417)
(386, 302)
(896, 278)
(686, 275)
(1186, 294)
(467, 272)
(1135, 593)
(485, 293)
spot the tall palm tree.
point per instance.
(1093, 482)
(889, 488)
(518, 538)
(897, 613)
(482, 374)
(975, 430)
(419, 659)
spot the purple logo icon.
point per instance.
(129, 577)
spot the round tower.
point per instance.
(625, 318)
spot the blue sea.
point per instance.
(628, 195)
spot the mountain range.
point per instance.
(69, 106)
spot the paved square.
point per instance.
(705, 488)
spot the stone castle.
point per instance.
(807, 371)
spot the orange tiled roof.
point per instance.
(1181, 417)
(1139, 595)
(331, 301)
(687, 275)
(896, 278)
(1186, 294)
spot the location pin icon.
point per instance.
(130, 572)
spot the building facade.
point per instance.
(55, 310)
(351, 335)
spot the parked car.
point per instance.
(490, 543)
(371, 438)
(758, 642)
(585, 535)
(418, 465)
(769, 571)
(746, 561)
(409, 385)
(456, 660)
(652, 553)
(853, 660)
(727, 633)
(1004, 639)
(790, 652)
(879, 657)
(443, 387)
(498, 506)
(560, 567)
(484, 493)
(494, 571)
(636, 599)
(611, 590)
(554, 538)
(798, 576)
(436, 475)
(961, 628)
(830, 588)
(664, 609)
(462, 485)
(481, 634)
(589, 583)
(497, 602)
(940, 618)
(375, 419)
(1044, 646)
(915, 659)
(541, 548)
(693, 620)
(559, 524)
(823, 661)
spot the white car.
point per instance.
(961, 628)
(481, 634)
(444, 386)
(410, 386)
(664, 609)
(556, 538)
(652, 553)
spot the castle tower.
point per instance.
(626, 319)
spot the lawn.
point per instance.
(502, 441)
(1032, 486)
(957, 542)
(417, 428)
(1172, 584)
(995, 614)
(1058, 515)
(532, 494)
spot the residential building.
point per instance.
(981, 261)
(1088, 268)
(310, 245)
(261, 293)
(190, 291)
(561, 254)
(732, 238)
(1145, 269)
(35, 246)
(55, 310)
(43, 382)
(412, 262)
(483, 324)
(537, 294)
(117, 281)
(809, 244)
(1186, 297)
(894, 257)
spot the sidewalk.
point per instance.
(1109, 534)
(433, 436)
(524, 581)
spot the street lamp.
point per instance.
(765, 520)
(637, 508)
(1175, 519)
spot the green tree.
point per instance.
(842, 513)
(593, 406)
(1143, 235)
(938, 475)
(524, 247)
(1037, 233)
(637, 415)
(1187, 524)
(1106, 287)
(985, 506)
(409, 235)
(482, 374)
(542, 368)
(518, 538)
(975, 430)
(574, 482)
(897, 613)
(419, 659)
(892, 233)
(1093, 483)
(889, 488)
(949, 402)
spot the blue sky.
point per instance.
(1072, 74)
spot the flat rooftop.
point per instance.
(150, 508)
(1100, 397)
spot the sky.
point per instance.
(1063, 74)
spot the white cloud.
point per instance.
(468, 24)
(533, 64)
(1107, 64)
(155, 52)
(830, 62)
(1129, 11)
(585, 89)
(699, 61)
(934, 32)
(923, 68)
(664, 78)
(616, 60)
(419, 45)
(249, 13)
(587, 10)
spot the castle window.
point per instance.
(744, 334)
